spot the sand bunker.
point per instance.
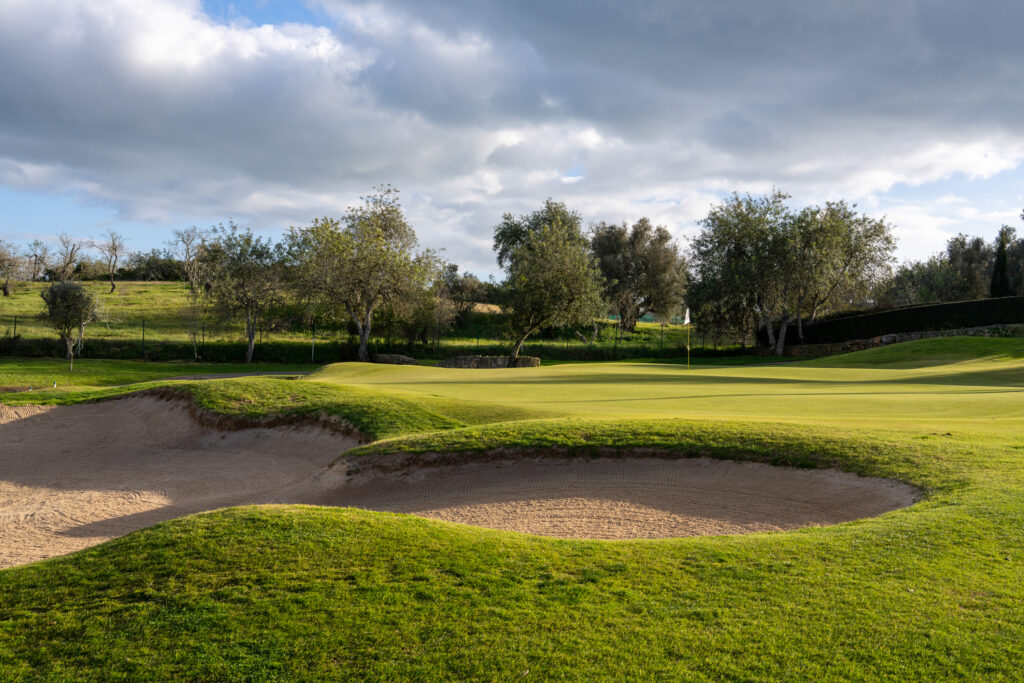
(75, 476)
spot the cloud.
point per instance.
(474, 109)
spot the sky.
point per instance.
(147, 115)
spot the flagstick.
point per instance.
(687, 347)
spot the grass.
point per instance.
(161, 305)
(928, 592)
(22, 373)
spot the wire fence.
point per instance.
(30, 336)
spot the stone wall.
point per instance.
(394, 359)
(488, 362)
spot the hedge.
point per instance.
(294, 352)
(924, 318)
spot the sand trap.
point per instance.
(619, 498)
(75, 476)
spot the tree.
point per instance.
(744, 256)
(551, 277)
(1000, 284)
(189, 245)
(426, 309)
(515, 231)
(839, 254)
(66, 257)
(464, 290)
(38, 260)
(642, 268)
(10, 265)
(69, 308)
(1014, 259)
(972, 259)
(112, 248)
(360, 263)
(245, 278)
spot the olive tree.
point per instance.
(357, 264)
(743, 254)
(69, 308)
(643, 270)
(244, 277)
(551, 276)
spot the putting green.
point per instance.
(961, 388)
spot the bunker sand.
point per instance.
(75, 476)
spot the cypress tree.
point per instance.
(1000, 272)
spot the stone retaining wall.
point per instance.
(488, 362)
(394, 359)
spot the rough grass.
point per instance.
(926, 593)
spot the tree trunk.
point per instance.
(781, 343)
(112, 285)
(364, 344)
(771, 332)
(250, 332)
(513, 357)
(71, 353)
(7, 287)
(800, 319)
(364, 337)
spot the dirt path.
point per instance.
(75, 476)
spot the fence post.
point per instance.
(312, 350)
(15, 336)
(143, 337)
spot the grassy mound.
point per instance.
(928, 592)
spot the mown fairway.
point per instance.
(928, 592)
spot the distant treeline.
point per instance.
(757, 269)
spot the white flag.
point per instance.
(686, 318)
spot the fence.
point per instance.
(134, 340)
(924, 318)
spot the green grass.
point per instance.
(925, 593)
(161, 306)
(21, 373)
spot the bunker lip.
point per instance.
(75, 476)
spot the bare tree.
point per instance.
(38, 260)
(189, 245)
(66, 257)
(111, 249)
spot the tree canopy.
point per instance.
(643, 270)
(68, 309)
(365, 260)
(756, 262)
(245, 277)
